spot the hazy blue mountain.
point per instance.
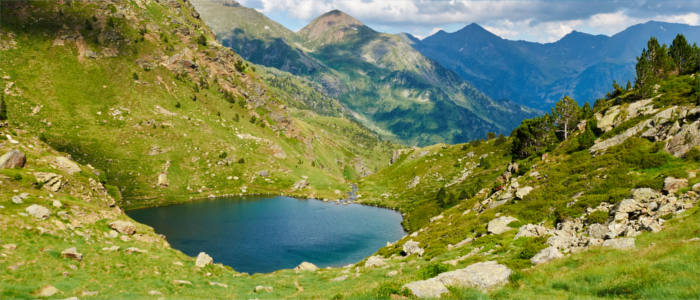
(381, 78)
(535, 74)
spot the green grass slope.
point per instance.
(141, 89)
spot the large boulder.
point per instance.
(500, 225)
(124, 227)
(597, 231)
(38, 211)
(645, 194)
(620, 243)
(66, 165)
(375, 261)
(72, 253)
(483, 276)
(49, 181)
(523, 191)
(672, 185)
(531, 230)
(628, 206)
(546, 255)
(13, 160)
(696, 187)
(306, 266)
(411, 247)
(429, 288)
(203, 260)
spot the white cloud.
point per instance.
(534, 20)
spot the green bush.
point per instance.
(432, 270)
(598, 216)
(386, 289)
(692, 155)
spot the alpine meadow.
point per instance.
(211, 149)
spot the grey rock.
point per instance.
(628, 206)
(163, 180)
(262, 288)
(411, 247)
(375, 261)
(124, 227)
(264, 173)
(49, 181)
(13, 160)
(219, 284)
(306, 266)
(72, 253)
(645, 194)
(546, 255)
(620, 243)
(523, 191)
(66, 165)
(531, 230)
(500, 225)
(482, 275)
(672, 185)
(429, 288)
(16, 199)
(203, 260)
(340, 278)
(38, 211)
(696, 187)
(597, 231)
(47, 291)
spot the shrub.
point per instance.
(432, 270)
(202, 40)
(223, 155)
(598, 216)
(692, 155)
(241, 161)
(135, 76)
(240, 66)
(178, 105)
(386, 289)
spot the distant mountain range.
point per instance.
(580, 65)
(385, 83)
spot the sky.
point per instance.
(532, 20)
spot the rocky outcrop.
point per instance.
(500, 225)
(414, 182)
(546, 255)
(375, 261)
(66, 165)
(13, 160)
(620, 243)
(203, 260)
(72, 253)
(483, 276)
(672, 185)
(679, 127)
(50, 181)
(531, 230)
(38, 211)
(411, 247)
(123, 227)
(306, 266)
(429, 288)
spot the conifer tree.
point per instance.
(682, 54)
(566, 114)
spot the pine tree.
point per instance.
(566, 114)
(682, 54)
(646, 79)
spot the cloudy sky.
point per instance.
(533, 20)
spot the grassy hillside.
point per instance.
(608, 210)
(142, 89)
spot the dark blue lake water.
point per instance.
(264, 234)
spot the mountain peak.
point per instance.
(329, 27)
